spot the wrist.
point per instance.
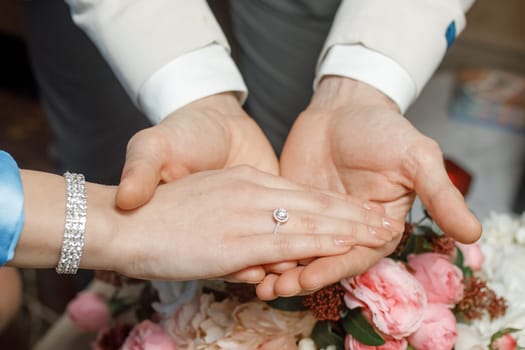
(43, 232)
(335, 92)
(102, 239)
(225, 102)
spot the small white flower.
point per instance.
(306, 344)
(503, 245)
(520, 235)
(468, 338)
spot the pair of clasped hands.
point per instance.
(349, 171)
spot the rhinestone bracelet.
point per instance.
(76, 214)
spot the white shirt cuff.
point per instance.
(383, 73)
(197, 74)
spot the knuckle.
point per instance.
(353, 229)
(151, 139)
(240, 190)
(308, 223)
(282, 245)
(427, 152)
(366, 215)
(318, 242)
(137, 139)
(420, 155)
(324, 201)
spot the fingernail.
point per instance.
(392, 226)
(387, 223)
(383, 236)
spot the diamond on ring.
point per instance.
(281, 216)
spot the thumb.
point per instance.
(140, 178)
(146, 157)
(444, 202)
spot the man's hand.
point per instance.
(210, 133)
(352, 139)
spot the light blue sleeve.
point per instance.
(11, 207)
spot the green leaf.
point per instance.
(467, 271)
(409, 248)
(419, 246)
(358, 326)
(502, 332)
(288, 304)
(423, 230)
(323, 335)
(460, 258)
(427, 246)
(119, 306)
(409, 347)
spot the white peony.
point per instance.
(503, 244)
(469, 339)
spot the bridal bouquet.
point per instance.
(432, 293)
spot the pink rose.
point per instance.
(472, 255)
(89, 311)
(395, 298)
(390, 344)
(438, 331)
(505, 342)
(148, 336)
(442, 280)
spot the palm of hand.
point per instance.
(206, 135)
(375, 154)
(210, 140)
(367, 153)
(192, 139)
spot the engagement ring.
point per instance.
(280, 215)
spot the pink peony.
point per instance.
(148, 336)
(505, 342)
(89, 311)
(442, 280)
(472, 254)
(390, 344)
(438, 331)
(395, 298)
(285, 341)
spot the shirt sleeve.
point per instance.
(140, 37)
(403, 40)
(371, 67)
(197, 74)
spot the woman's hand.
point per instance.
(206, 225)
(214, 223)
